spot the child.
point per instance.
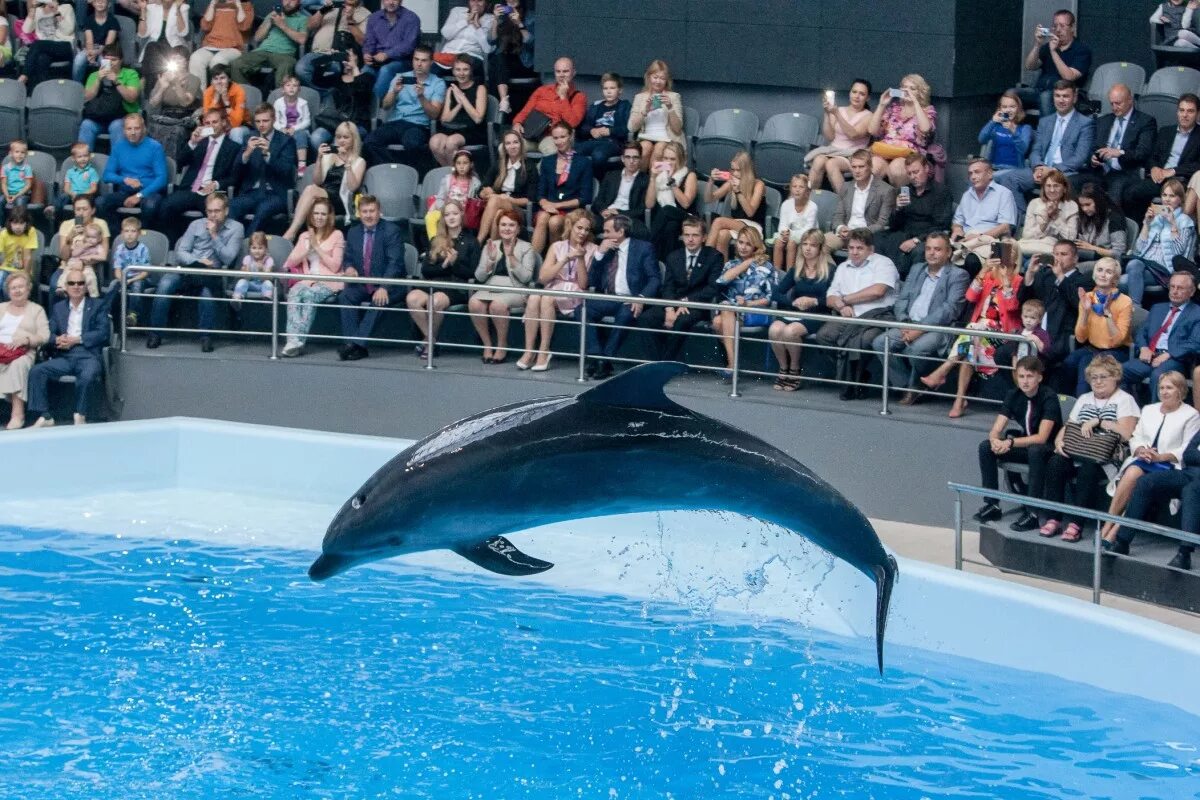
(88, 249)
(131, 252)
(18, 241)
(259, 260)
(797, 216)
(1179, 24)
(1032, 312)
(459, 185)
(292, 116)
(81, 179)
(16, 180)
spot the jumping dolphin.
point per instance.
(621, 447)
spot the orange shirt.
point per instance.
(224, 31)
(546, 100)
(237, 103)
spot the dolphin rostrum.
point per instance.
(618, 448)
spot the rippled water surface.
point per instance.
(173, 669)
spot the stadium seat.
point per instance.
(128, 40)
(158, 246)
(254, 99)
(779, 151)
(827, 202)
(412, 261)
(396, 187)
(773, 198)
(1174, 81)
(723, 134)
(1106, 76)
(1167, 55)
(308, 93)
(1160, 106)
(55, 111)
(12, 111)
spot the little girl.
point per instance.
(459, 185)
(259, 260)
(292, 116)
(17, 244)
(88, 248)
(797, 216)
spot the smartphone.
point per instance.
(656, 101)
(406, 80)
(506, 9)
(662, 166)
(206, 131)
(105, 63)
(895, 94)
(721, 174)
(997, 250)
(829, 96)
(278, 8)
(906, 192)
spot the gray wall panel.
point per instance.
(750, 53)
(931, 56)
(913, 16)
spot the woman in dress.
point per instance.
(337, 177)
(748, 282)
(845, 129)
(509, 185)
(463, 122)
(318, 251)
(901, 125)
(23, 329)
(747, 202)
(657, 115)
(803, 288)
(671, 197)
(453, 256)
(506, 261)
(568, 263)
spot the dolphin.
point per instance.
(620, 447)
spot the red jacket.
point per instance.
(546, 100)
(1009, 307)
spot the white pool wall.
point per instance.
(738, 565)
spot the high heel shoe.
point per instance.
(522, 363)
(932, 382)
(958, 410)
(541, 367)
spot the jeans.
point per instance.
(107, 205)
(77, 361)
(599, 151)
(387, 73)
(901, 370)
(89, 131)
(1135, 371)
(415, 139)
(1134, 279)
(262, 203)
(80, 66)
(172, 283)
(1152, 492)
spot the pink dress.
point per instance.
(844, 142)
(567, 279)
(904, 132)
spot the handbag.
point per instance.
(1102, 447)
(473, 213)
(10, 353)
(106, 107)
(535, 125)
(890, 151)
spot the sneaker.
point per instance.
(505, 106)
(1026, 522)
(293, 351)
(131, 319)
(43, 422)
(79, 419)
(989, 513)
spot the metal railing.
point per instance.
(735, 368)
(960, 489)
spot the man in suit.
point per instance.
(209, 163)
(862, 203)
(934, 294)
(626, 267)
(1124, 145)
(79, 330)
(266, 171)
(1168, 340)
(1057, 286)
(624, 192)
(1064, 142)
(1176, 155)
(374, 248)
(692, 273)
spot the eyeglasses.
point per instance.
(632, 157)
(76, 283)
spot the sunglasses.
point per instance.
(76, 283)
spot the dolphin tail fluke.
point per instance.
(885, 578)
(501, 556)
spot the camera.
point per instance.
(506, 9)
(662, 166)
(1043, 31)
(278, 9)
(1006, 116)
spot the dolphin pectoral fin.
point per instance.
(640, 387)
(885, 579)
(501, 556)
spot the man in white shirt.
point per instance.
(864, 287)
(79, 331)
(208, 164)
(625, 267)
(624, 192)
(862, 203)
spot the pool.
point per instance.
(161, 640)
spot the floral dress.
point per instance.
(756, 283)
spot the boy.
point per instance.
(16, 179)
(131, 252)
(1038, 337)
(81, 179)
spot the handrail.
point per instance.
(960, 489)
(584, 297)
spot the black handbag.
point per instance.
(535, 125)
(106, 107)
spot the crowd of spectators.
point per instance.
(597, 193)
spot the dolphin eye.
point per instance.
(358, 501)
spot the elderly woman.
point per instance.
(337, 176)
(903, 123)
(23, 329)
(1052, 216)
(1101, 231)
(845, 129)
(1105, 409)
(747, 281)
(317, 252)
(1104, 324)
(506, 261)
(803, 288)
(657, 114)
(1157, 444)
(567, 266)
(453, 256)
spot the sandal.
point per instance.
(1073, 533)
(1050, 528)
(793, 382)
(781, 381)
(957, 410)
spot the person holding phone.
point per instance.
(209, 164)
(512, 35)
(109, 94)
(99, 30)
(226, 27)
(54, 26)
(904, 122)
(671, 198)
(747, 202)
(279, 39)
(657, 114)
(1167, 232)
(411, 102)
(845, 130)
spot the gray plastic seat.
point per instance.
(723, 134)
(396, 187)
(1106, 76)
(55, 111)
(158, 246)
(12, 110)
(312, 96)
(773, 198)
(254, 99)
(1174, 81)
(827, 202)
(779, 152)
(1162, 107)
(127, 38)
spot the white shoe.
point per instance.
(505, 106)
(292, 350)
(80, 419)
(15, 424)
(541, 367)
(43, 422)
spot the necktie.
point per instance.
(1056, 141)
(198, 184)
(1158, 342)
(691, 265)
(368, 251)
(1114, 141)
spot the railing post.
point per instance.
(582, 376)
(737, 353)
(274, 320)
(429, 330)
(958, 528)
(887, 366)
(124, 311)
(1096, 564)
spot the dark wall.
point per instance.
(1117, 30)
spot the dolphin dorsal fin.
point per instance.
(640, 387)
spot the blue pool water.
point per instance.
(175, 669)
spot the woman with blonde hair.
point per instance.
(747, 282)
(1052, 216)
(318, 251)
(803, 288)
(670, 197)
(747, 201)
(903, 123)
(453, 256)
(657, 114)
(337, 177)
(1104, 323)
(568, 263)
(23, 329)
(510, 183)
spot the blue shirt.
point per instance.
(81, 180)
(1008, 149)
(408, 106)
(1161, 246)
(977, 214)
(145, 161)
(136, 256)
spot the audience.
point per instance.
(463, 121)
(80, 179)
(691, 275)
(605, 127)
(293, 117)
(746, 201)
(923, 207)
(1007, 134)
(337, 177)
(128, 255)
(564, 184)
(318, 251)
(512, 36)
(412, 100)
(1103, 324)
(1058, 57)
(865, 202)
(1167, 233)
(278, 41)
(1051, 216)
(511, 184)
(390, 43)
(465, 36)
(374, 248)
(460, 184)
(453, 256)
(845, 128)
(549, 105)
(349, 99)
(505, 261)
(657, 114)
(110, 95)
(1169, 339)
(903, 123)
(99, 31)
(52, 25)
(23, 329)
(568, 267)
(1176, 156)
(336, 28)
(1125, 140)
(226, 27)
(748, 281)
(164, 33)
(229, 98)
(266, 172)
(986, 213)
(803, 287)
(209, 164)
(137, 170)
(1058, 289)
(621, 266)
